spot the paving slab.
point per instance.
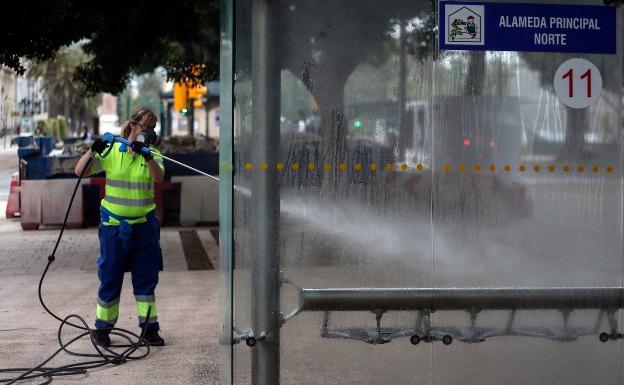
(26, 252)
(188, 314)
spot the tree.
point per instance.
(122, 39)
(63, 91)
(328, 39)
(149, 89)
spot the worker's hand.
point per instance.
(138, 146)
(99, 146)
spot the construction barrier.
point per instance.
(13, 203)
(44, 202)
(199, 200)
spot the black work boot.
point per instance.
(101, 337)
(152, 338)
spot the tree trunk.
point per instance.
(328, 90)
(476, 74)
(66, 107)
(54, 107)
(406, 135)
(66, 110)
(333, 127)
(576, 126)
(75, 121)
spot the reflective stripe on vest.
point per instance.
(129, 185)
(129, 202)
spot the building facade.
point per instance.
(8, 100)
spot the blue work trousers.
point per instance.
(137, 252)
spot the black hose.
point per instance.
(116, 354)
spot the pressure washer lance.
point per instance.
(141, 137)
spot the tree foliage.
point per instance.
(149, 87)
(65, 96)
(123, 38)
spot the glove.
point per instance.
(138, 146)
(99, 146)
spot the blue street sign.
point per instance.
(527, 27)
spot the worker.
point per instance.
(129, 231)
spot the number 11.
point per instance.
(570, 76)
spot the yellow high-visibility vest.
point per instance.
(129, 185)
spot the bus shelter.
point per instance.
(421, 192)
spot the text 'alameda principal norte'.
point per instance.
(527, 27)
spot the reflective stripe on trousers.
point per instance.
(108, 312)
(145, 304)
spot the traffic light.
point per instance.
(180, 101)
(197, 95)
(357, 124)
(183, 93)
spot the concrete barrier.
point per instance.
(44, 202)
(199, 199)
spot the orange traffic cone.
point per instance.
(12, 208)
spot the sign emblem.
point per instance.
(464, 24)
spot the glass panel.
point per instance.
(242, 256)
(351, 216)
(225, 191)
(551, 219)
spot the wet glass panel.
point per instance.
(403, 167)
(225, 192)
(354, 183)
(530, 199)
(241, 254)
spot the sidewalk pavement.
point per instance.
(187, 306)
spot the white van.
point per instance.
(27, 127)
(109, 123)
